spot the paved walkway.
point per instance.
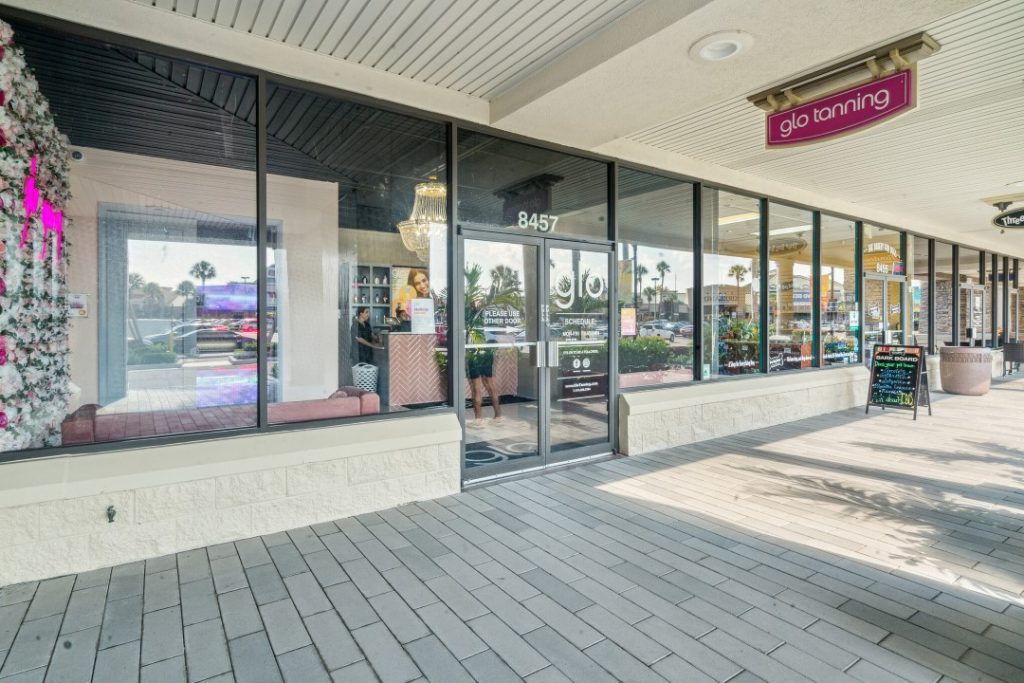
(840, 548)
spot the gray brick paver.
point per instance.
(91, 579)
(456, 597)
(451, 630)
(557, 590)
(266, 584)
(32, 646)
(398, 617)
(436, 662)
(487, 667)
(332, 640)
(228, 574)
(162, 635)
(198, 601)
(689, 649)
(622, 665)
(303, 666)
(17, 592)
(351, 605)
(517, 617)
(252, 552)
(122, 622)
(161, 590)
(51, 598)
(389, 661)
(325, 568)
(206, 650)
(239, 613)
(11, 617)
(118, 664)
(126, 580)
(515, 651)
(366, 577)
(253, 660)
(193, 565)
(85, 609)
(360, 672)
(284, 626)
(167, 671)
(305, 540)
(287, 559)
(73, 656)
(632, 640)
(306, 593)
(566, 657)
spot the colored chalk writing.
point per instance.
(896, 377)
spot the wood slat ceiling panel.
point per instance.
(962, 143)
(478, 47)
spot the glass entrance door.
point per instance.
(883, 311)
(972, 315)
(536, 353)
(577, 339)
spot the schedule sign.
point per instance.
(842, 112)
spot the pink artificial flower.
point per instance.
(3, 356)
(3, 420)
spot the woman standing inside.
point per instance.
(362, 336)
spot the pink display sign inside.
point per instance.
(843, 112)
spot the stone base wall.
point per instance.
(662, 418)
(53, 517)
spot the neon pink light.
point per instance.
(52, 219)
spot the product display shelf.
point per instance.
(371, 287)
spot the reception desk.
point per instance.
(412, 370)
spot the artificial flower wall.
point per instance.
(34, 194)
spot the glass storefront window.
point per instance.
(790, 260)
(918, 293)
(731, 289)
(839, 315)
(656, 298)
(972, 295)
(522, 189)
(160, 262)
(945, 294)
(356, 259)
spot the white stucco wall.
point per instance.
(675, 416)
(172, 498)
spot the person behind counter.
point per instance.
(362, 336)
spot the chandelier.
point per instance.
(429, 217)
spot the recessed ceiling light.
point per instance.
(719, 46)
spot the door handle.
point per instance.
(538, 361)
(552, 348)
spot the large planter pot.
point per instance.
(965, 370)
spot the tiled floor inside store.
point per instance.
(839, 548)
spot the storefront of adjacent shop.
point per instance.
(237, 303)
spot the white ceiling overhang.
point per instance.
(614, 76)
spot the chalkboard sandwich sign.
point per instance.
(899, 379)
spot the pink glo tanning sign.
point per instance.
(844, 112)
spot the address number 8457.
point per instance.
(540, 222)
